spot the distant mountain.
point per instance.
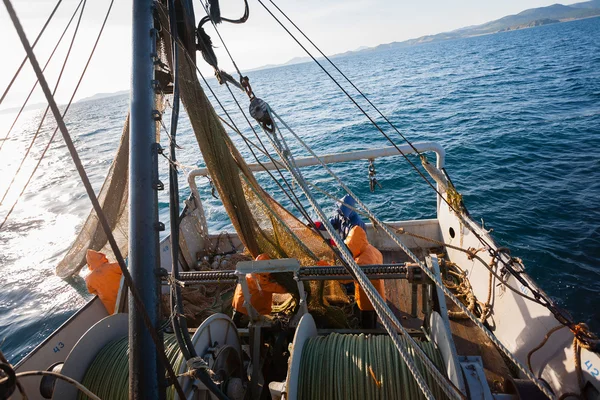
(27, 108)
(587, 4)
(99, 96)
(525, 19)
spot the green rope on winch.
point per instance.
(108, 375)
(362, 367)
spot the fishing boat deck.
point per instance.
(468, 339)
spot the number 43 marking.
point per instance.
(58, 347)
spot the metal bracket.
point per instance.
(472, 368)
(158, 185)
(157, 148)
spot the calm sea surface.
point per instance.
(518, 114)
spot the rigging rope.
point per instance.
(43, 69)
(426, 270)
(214, 24)
(386, 316)
(179, 322)
(297, 203)
(90, 191)
(62, 70)
(33, 47)
(64, 113)
(346, 78)
(558, 313)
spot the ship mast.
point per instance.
(146, 375)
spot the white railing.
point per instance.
(333, 158)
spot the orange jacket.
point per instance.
(261, 287)
(104, 279)
(364, 254)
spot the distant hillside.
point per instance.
(525, 19)
(99, 96)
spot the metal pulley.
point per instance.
(259, 110)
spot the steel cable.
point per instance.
(62, 70)
(559, 314)
(32, 46)
(63, 114)
(360, 367)
(430, 274)
(381, 308)
(43, 69)
(90, 191)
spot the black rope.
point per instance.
(33, 46)
(222, 41)
(215, 13)
(62, 70)
(237, 130)
(347, 79)
(179, 323)
(90, 191)
(43, 69)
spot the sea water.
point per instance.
(518, 114)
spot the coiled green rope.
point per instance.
(362, 367)
(108, 376)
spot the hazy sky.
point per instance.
(335, 25)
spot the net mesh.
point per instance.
(113, 198)
(262, 224)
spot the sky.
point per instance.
(334, 25)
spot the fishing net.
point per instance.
(113, 198)
(263, 225)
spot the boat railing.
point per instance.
(356, 155)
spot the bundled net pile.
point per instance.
(262, 224)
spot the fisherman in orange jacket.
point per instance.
(262, 287)
(365, 254)
(104, 279)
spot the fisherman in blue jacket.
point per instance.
(345, 218)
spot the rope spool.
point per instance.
(108, 375)
(362, 367)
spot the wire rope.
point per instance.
(37, 132)
(386, 316)
(64, 113)
(558, 313)
(43, 69)
(32, 46)
(297, 203)
(90, 191)
(426, 270)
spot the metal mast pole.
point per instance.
(146, 376)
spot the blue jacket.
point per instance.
(345, 218)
